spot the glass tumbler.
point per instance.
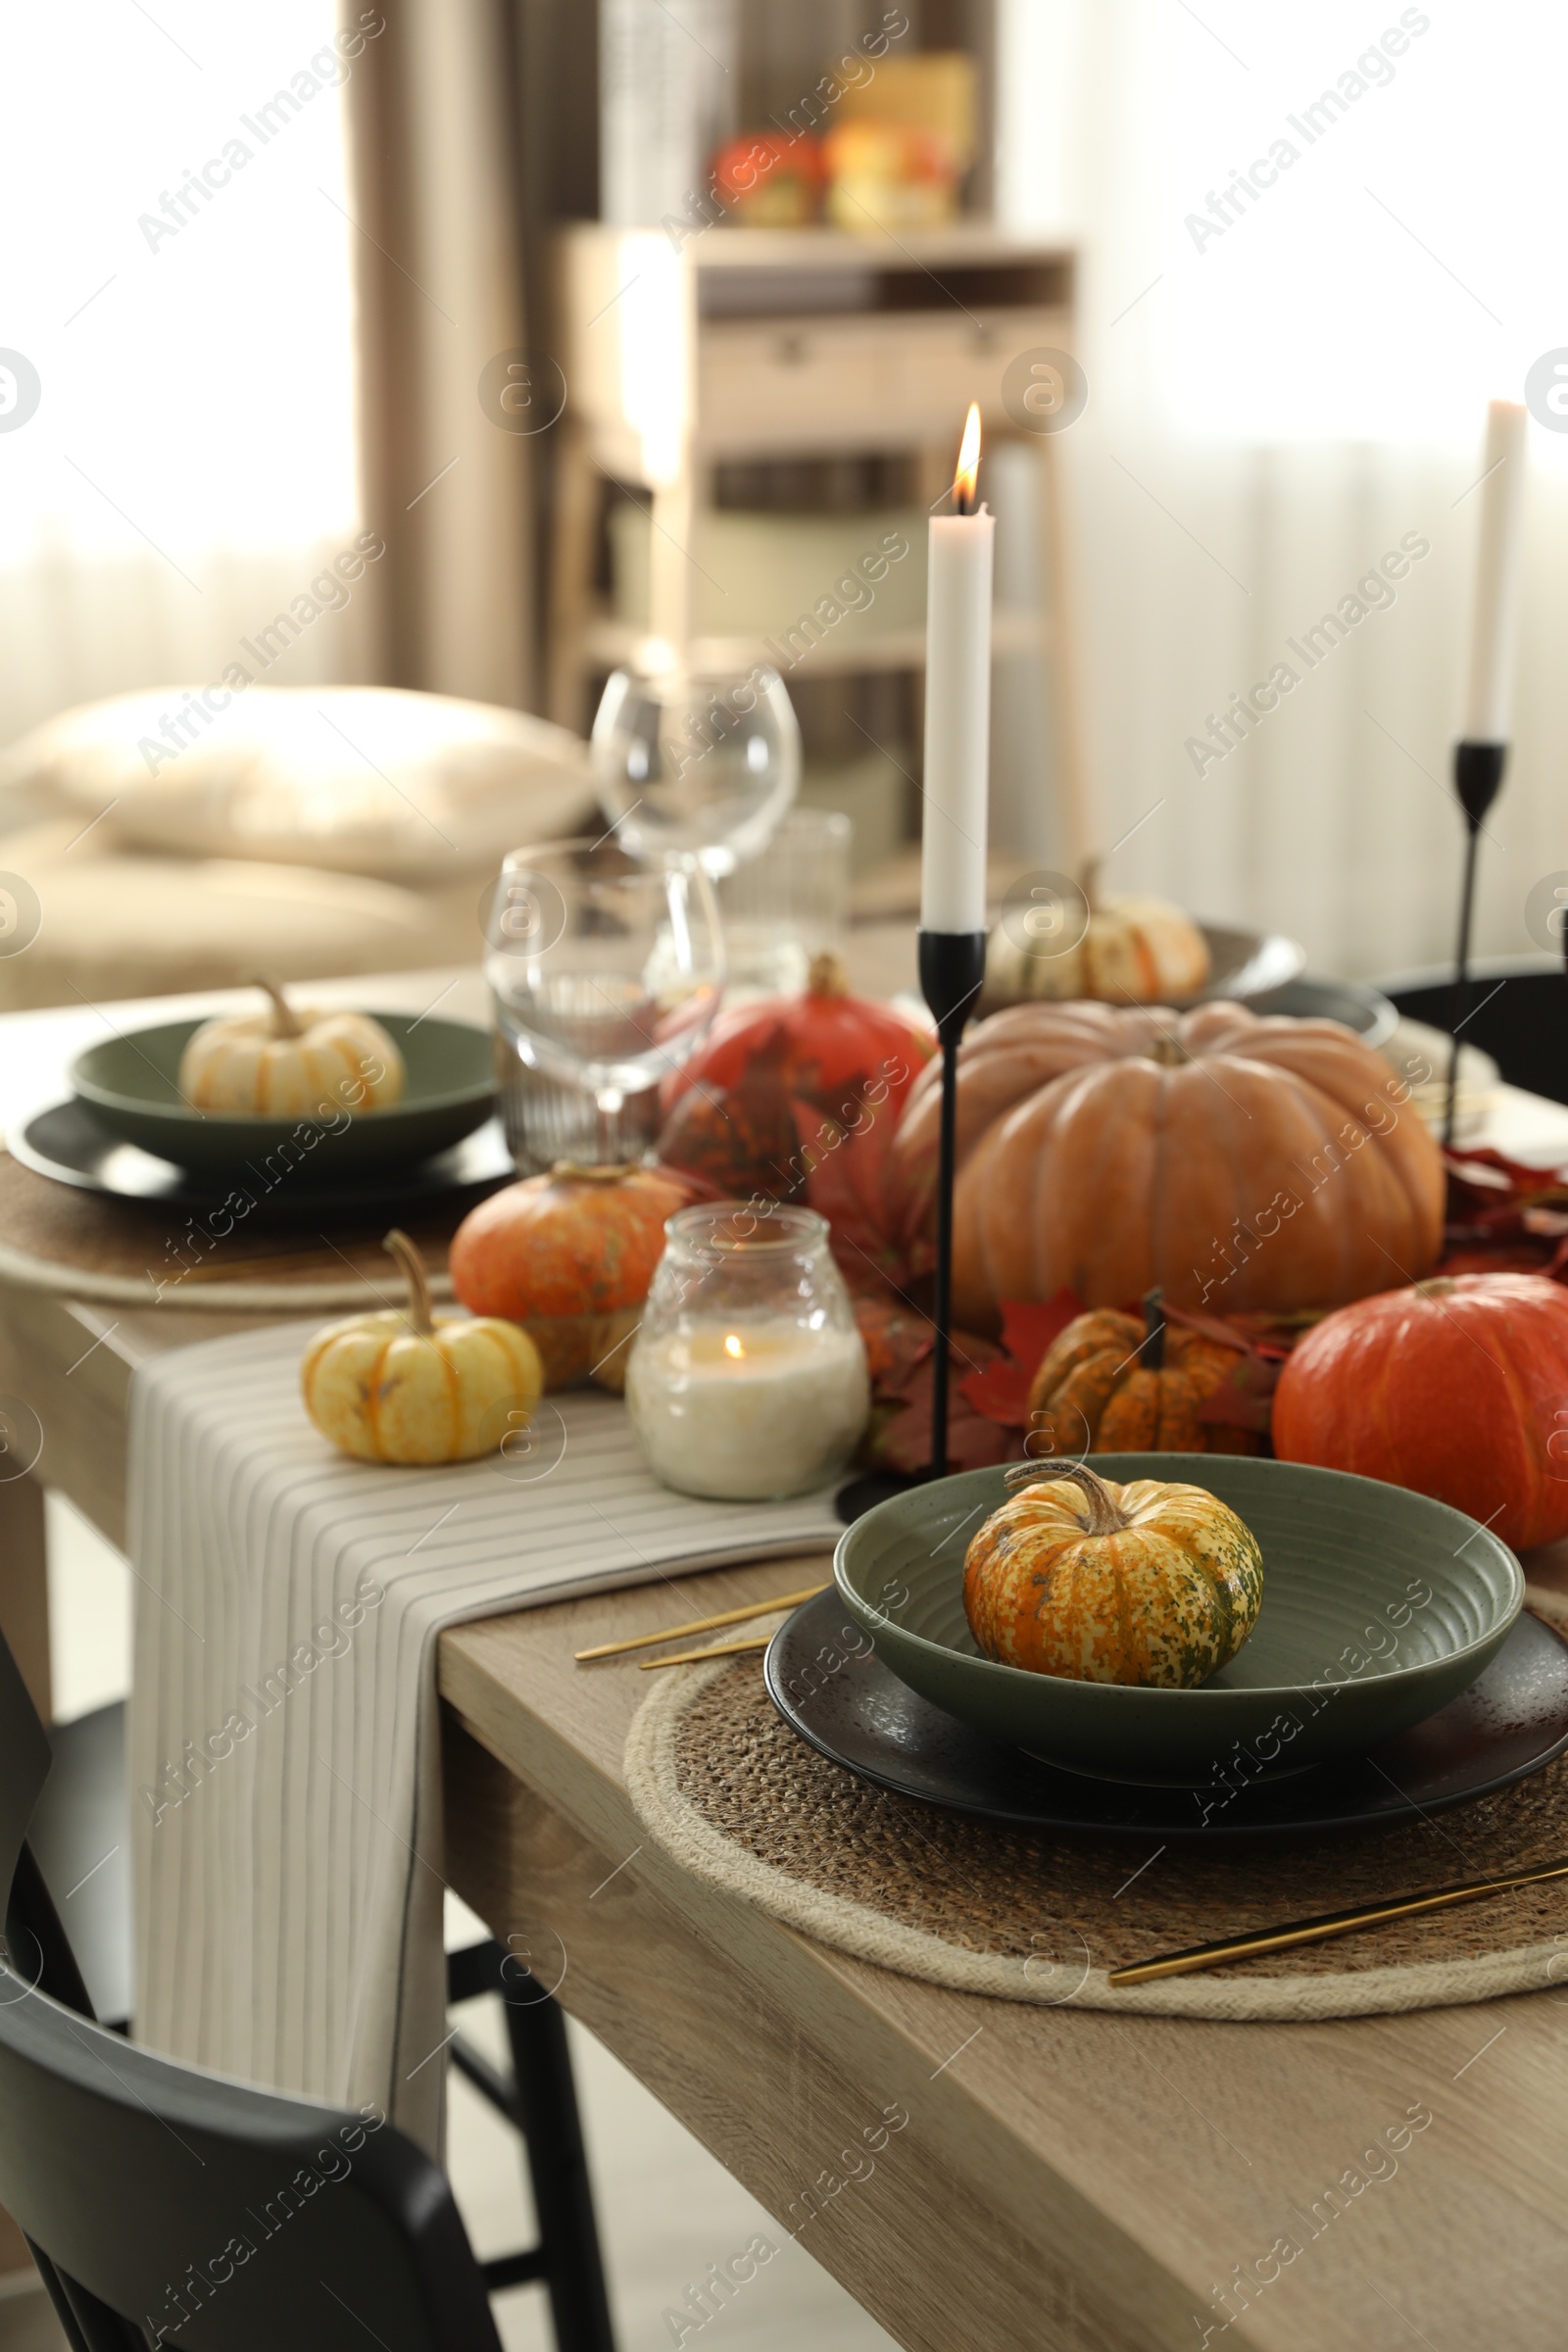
(748, 1379)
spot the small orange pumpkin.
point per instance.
(1145, 1582)
(1108, 1385)
(569, 1257)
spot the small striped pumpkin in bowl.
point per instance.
(1147, 1583)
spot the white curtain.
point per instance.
(1277, 402)
(179, 278)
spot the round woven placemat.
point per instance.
(721, 1780)
(81, 1244)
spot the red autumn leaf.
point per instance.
(975, 1443)
(904, 1441)
(896, 1339)
(1244, 1398)
(1028, 1329)
(1000, 1391)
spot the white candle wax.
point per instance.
(751, 1412)
(957, 723)
(1488, 694)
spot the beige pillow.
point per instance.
(362, 780)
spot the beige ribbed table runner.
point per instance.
(285, 1758)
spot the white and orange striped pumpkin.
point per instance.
(280, 1065)
(1133, 951)
(419, 1388)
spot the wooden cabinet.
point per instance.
(685, 353)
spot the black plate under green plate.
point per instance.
(846, 1702)
(132, 1085)
(66, 1144)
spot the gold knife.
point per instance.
(1328, 1924)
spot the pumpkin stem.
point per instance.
(1106, 1515)
(1151, 1352)
(601, 1172)
(827, 976)
(410, 1265)
(283, 1022)
(1436, 1286)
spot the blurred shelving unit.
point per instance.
(697, 360)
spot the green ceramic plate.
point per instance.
(132, 1084)
(1378, 1607)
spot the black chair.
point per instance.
(114, 2161)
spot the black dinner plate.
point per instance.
(852, 1707)
(67, 1142)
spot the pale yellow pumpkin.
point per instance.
(280, 1064)
(420, 1388)
(1133, 951)
(1146, 1583)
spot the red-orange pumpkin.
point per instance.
(1458, 1387)
(569, 1257)
(797, 1099)
(1234, 1161)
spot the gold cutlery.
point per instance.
(702, 1625)
(1326, 1924)
(694, 1657)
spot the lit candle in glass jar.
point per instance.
(748, 1380)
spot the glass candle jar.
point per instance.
(748, 1379)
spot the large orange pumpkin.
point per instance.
(1458, 1387)
(569, 1256)
(1235, 1162)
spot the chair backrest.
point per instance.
(24, 1763)
(166, 2203)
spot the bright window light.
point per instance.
(1358, 287)
(1297, 225)
(178, 273)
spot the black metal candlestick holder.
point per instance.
(952, 968)
(1477, 777)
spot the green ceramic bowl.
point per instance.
(1378, 1607)
(131, 1084)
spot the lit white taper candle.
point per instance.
(958, 705)
(1489, 692)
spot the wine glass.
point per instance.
(606, 975)
(695, 765)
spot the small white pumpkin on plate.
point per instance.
(1132, 950)
(283, 1065)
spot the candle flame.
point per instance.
(732, 1345)
(966, 479)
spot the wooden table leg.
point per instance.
(715, 2048)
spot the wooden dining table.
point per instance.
(1060, 2179)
